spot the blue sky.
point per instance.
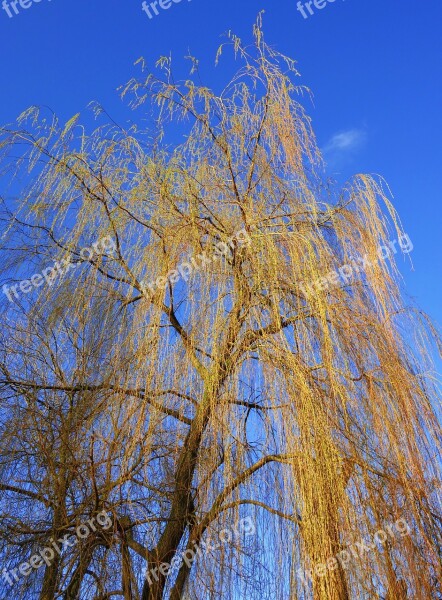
(374, 67)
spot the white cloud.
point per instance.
(343, 145)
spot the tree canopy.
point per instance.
(186, 378)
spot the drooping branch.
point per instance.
(138, 393)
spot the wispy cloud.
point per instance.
(343, 145)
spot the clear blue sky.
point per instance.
(374, 67)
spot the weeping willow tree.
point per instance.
(188, 376)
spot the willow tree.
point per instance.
(202, 379)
